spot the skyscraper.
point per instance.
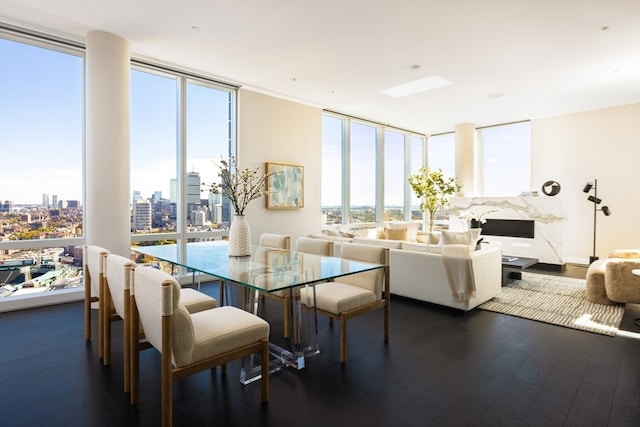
(141, 220)
(193, 192)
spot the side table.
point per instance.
(512, 267)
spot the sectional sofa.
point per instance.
(417, 270)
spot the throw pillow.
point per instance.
(347, 234)
(469, 237)
(395, 233)
(334, 233)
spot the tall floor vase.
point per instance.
(239, 237)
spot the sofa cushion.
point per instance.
(469, 237)
(395, 233)
(410, 226)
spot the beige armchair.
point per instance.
(611, 281)
(355, 294)
(191, 343)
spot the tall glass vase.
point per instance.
(239, 237)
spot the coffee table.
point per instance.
(512, 267)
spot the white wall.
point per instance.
(576, 148)
(275, 130)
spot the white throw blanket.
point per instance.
(459, 268)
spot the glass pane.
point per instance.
(416, 162)
(41, 137)
(208, 141)
(331, 170)
(363, 173)
(507, 159)
(154, 127)
(442, 153)
(394, 180)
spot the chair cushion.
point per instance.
(223, 329)
(195, 301)
(336, 297)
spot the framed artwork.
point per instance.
(285, 186)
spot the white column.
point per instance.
(465, 143)
(107, 142)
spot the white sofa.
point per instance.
(421, 276)
(417, 271)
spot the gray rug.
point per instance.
(556, 300)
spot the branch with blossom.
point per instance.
(240, 186)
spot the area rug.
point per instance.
(556, 300)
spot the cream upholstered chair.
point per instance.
(117, 285)
(117, 282)
(355, 294)
(276, 241)
(314, 246)
(94, 258)
(279, 241)
(190, 343)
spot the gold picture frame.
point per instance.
(285, 186)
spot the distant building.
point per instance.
(193, 192)
(135, 197)
(141, 219)
(45, 200)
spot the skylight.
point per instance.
(416, 86)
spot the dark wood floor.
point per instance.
(440, 368)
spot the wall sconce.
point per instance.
(596, 201)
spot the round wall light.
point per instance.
(551, 188)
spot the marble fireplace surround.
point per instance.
(548, 214)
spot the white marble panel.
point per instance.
(547, 212)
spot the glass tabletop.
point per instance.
(267, 269)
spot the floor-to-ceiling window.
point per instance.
(365, 166)
(181, 127)
(506, 159)
(442, 153)
(41, 167)
(333, 129)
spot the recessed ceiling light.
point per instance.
(195, 28)
(495, 95)
(416, 86)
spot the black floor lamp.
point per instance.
(596, 201)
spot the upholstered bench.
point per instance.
(610, 280)
(595, 288)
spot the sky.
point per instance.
(41, 129)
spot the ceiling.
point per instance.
(507, 60)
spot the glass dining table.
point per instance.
(267, 270)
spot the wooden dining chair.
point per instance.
(354, 294)
(190, 343)
(94, 259)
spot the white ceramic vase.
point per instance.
(239, 237)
